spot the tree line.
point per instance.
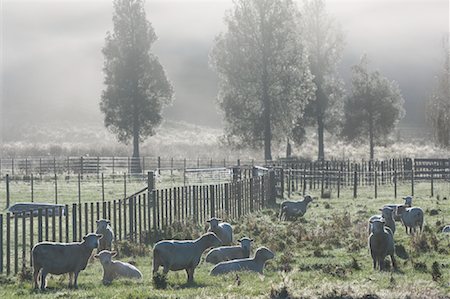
(277, 64)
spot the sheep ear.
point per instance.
(209, 221)
(99, 236)
(218, 219)
(251, 240)
(380, 210)
(113, 253)
(96, 256)
(109, 222)
(84, 238)
(240, 240)
(97, 221)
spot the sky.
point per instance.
(51, 60)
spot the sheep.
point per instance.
(104, 228)
(227, 253)
(411, 218)
(60, 258)
(113, 269)
(255, 264)
(446, 229)
(388, 215)
(292, 209)
(408, 202)
(381, 244)
(223, 230)
(178, 255)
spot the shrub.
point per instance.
(160, 281)
(436, 271)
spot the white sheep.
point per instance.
(408, 202)
(223, 230)
(388, 215)
(446, 229)
(255, 264)
(182, 255)
(104, 228)
(60, 258)
(114, 269)
(381, 244)
(227, 253)
(291, 209)
(411, 218)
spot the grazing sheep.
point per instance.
(223, 230)
(292, 209)
(381, 244)
(255, 264)
(227, 253)
(408, 202)
(60, 258)
(104, 228)
(411, 218)
(446, 229)
(388, 215)
(178, 255)
(114, 269)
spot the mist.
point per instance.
(52, 60)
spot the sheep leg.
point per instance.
(166, 269)
(70, 279)
(75, 282)
(190, 274)
(394, 263)
(374, 263)
(43, 279)
(36, 277)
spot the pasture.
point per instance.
(322, 255)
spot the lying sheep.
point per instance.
(60, 258)
(182, 255)
(388, 215)
(227, 253)
(255, 264)
(411, 218)
(446, 229)
(104, 228)
(114, 269)
(381, 244)
(408, 202)
(291, 209)
(223, 230)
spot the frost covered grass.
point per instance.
(183, 140)
(322, 255)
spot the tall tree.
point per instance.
(373, 108)
(438, 106)
(324, 43)
(263, 72)
(136, 84)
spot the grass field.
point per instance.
(322, 255)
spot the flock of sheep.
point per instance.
(175, 255)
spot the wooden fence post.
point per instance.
(339, 184)
(79, 188)
(131, 217)
(212, 205)
(74, 222)
(7, 191)
(376, 183)
(32, 187)
(56, 189)
(355, 184)
(412, 182)
(1, 243)
(432, 182)
(8, 243)
(395, 183)
(103, 188)
(16, 243)
(272, 191)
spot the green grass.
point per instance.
(322, 255)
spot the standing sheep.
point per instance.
(291, 209)
(182, 255)
(388, 215)
(60, 258)
(408, 202)
(223, 230)
(411, 218)
(104, 228)
(113, 269)
(255, 264)
(227, 253)
(381, 244)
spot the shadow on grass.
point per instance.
(189, 285)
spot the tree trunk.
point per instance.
(320, 129)
(371, 139)
(135, 160)
(267, 126)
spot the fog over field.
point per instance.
(52, 60)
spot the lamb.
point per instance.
(182, 255)
(411, 218)
(114, 269)
(255, 264)
(388, 215)
(292, 209)
(227, 253)
(381, 244)
(104, 228)
(408, 202)
(223, 230)
(60, 258)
